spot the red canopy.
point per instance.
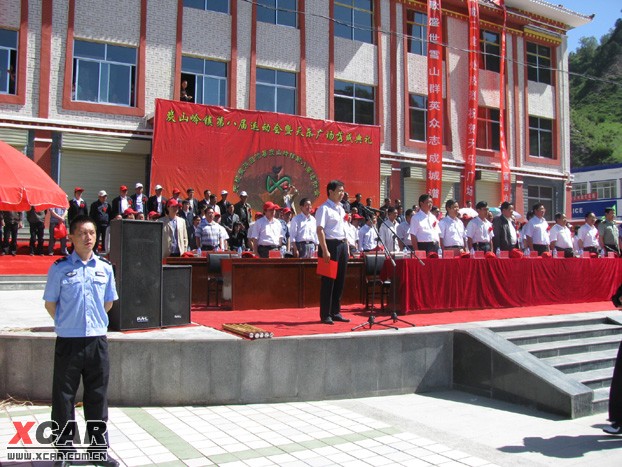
(23, 183)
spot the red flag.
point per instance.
(468, 186)
(434, 150)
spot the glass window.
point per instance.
(418, 107)
(276, 91)
(103, 73)
(490, 48)
(605, 189)
(354, 20)
(541, 194)
(281, 12)
(540, 137)
(354, 103)
(416, 29)
(203, 81)
(488, 129)
(579, 189)
(8, 61)
(538, 63)
(211, 5)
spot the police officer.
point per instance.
(79, 292)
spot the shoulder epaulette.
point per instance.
(60, 260)
(105, 260)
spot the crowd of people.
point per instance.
(193, 225)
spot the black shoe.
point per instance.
(613, 429)
(328, 320)
(341, 319)
(13, 253)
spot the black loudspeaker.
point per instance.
(176, 295)
(136, 255)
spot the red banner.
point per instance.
(470, 156)
(434, 179)
(262, 153)
(506, 179)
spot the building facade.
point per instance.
(596, 188)
(82, 77)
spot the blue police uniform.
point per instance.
(80, 291)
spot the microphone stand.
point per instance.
(371, 320)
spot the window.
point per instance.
(540, 137)
(418, 108)
(211, 5)
(276, 91)
(354, 103)
(541, 194)
(605, 189)
(416, 29)
(354, 20)
(207, 80)
(579, 189)
(538, 63)
(8, 61)
(277, 12)
(103, 73)
(489, 45)
(488, 128)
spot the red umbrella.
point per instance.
(23, 183)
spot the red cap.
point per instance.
(122, 188)
(547, 254)
(152, 214)
(516, 253)
(286, 210)
(270, 205)
(258, 215)
(172, 202)
(78, 188)
(490, 255)
(176, 191)
(129, 211)
(357, 217)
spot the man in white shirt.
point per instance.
(536, 231)
(333, 246)
(403, 230)
(452, 228)
(268, 232)
(352, 232)
(560, 235)
(479, 230)
(424, 229)
(388, 233)
(588, 234)
(368, 238)
(211, 237)
(303, 231)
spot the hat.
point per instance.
(547, 254)
(433, 255)
(243, 193)
(139, 185)
(172, 203)
(224, 192)
(158, 187)
(357, 217)
(78, 188)
(122, 188)
(176, 191)
(258, 215)
(270, 205)
(286, 210)
(516, 253)
(129, 211)
(490, 255)
(465, 255)
(152, 214)
(102, 193)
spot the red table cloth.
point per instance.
(450, 284)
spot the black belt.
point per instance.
(335, 240)
(482, 243)
(269, 247)
(454, 246)
(207, 247)
(307, 242)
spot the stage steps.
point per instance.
(584, 350)
(22, 282)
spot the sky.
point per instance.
(607, 12)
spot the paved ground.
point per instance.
(445, 428)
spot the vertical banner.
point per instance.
(434, 151)
(468, 185)
(506, 179)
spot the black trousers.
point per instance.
(9, 242)
(615, 393)
(75, 358)
(428, 247)
(540, 248)
(331, 290)
(101, 236)
(36, 236)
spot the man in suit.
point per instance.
(193, 203)
(157, 202)
(139, 199)
(174, 233)
(243, 210)
(77, 206)
(121, 203)
(505, 238)
(100, 214)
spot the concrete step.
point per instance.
(584, 361)
(595, 379)
(553, 324)
(591, 344)
(522, 337)
(22, 282)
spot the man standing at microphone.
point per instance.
(331, 233)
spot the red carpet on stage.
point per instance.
(298, 322)
(23, 264)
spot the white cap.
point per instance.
(224, 192)
(139, 185)
(243, 193)
(158, 187)
(102, 193)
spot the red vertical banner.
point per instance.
(434, 179)
(468, 185)
(506, 179)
